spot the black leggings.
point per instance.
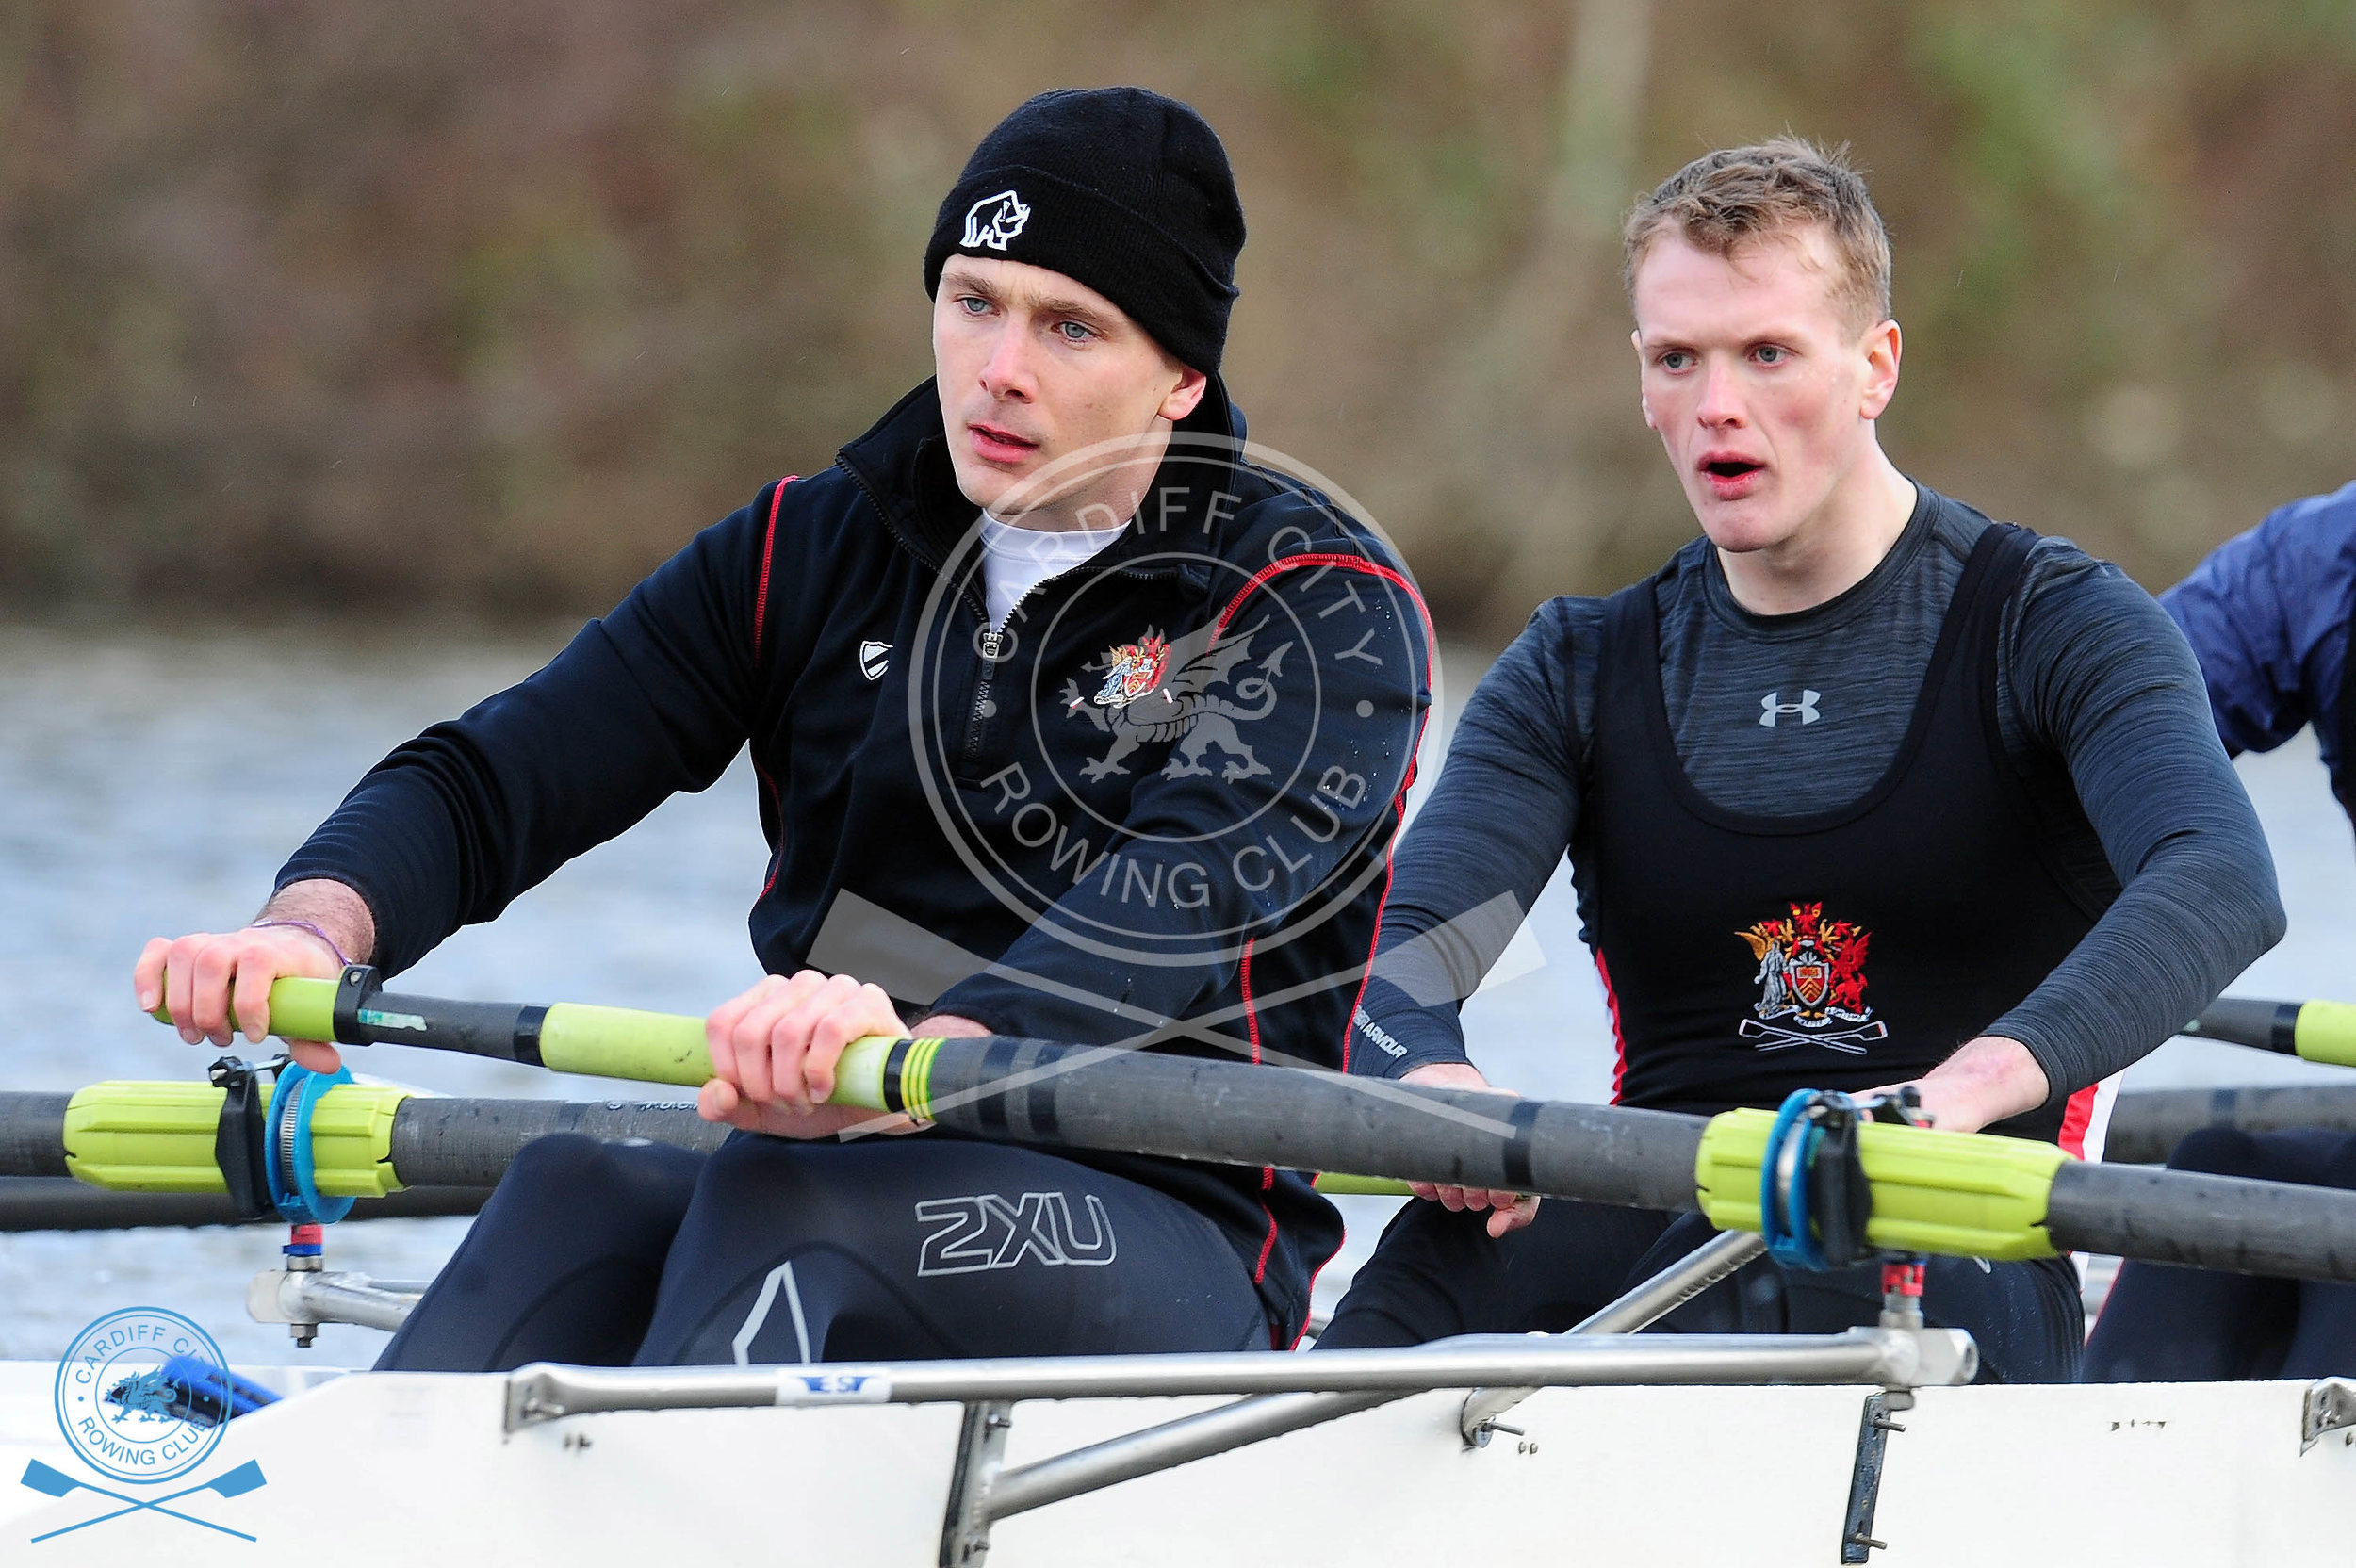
(772, 1251)
(1436, 1274)
(2164, 1324)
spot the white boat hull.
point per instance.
(418, 1468)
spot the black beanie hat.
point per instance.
(1122, 188)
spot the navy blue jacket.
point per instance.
(2268, 614)
(1168, 795)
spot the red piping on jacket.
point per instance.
(768, 554)
(1399, 805)
(761, 618)
(1267, 1172)
(1398, 801)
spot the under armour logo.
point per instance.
(873, 658)
(1770, 709)
(994, 219)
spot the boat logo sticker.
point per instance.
(131, 1402)
(1811, 973)
(994, 221)
(1139, 701)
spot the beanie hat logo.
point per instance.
(994, 221)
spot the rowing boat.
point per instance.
(414, 1468)
(1593, 1445)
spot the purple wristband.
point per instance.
(333, 946)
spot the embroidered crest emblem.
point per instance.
(1153, 689)
(1811, 971)
(1135, 668)
(994, 221)
(873, 658)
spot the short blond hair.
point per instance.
(1739, 196)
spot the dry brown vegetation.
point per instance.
(491, 304)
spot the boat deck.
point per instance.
(425, 1468)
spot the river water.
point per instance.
(150, 784)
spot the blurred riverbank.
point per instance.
(493, 305)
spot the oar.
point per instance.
(1975, 1195)
(2148, 1125)
(61, 1203)
(2312, 1031)
(570, 1037)
(229, 1483)
(469, 1143)
(663, 1048)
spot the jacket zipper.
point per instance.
(994, 647)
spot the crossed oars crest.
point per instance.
(234, 1482)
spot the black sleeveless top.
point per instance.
(1744, 956)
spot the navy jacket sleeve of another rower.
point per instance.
(2099, 674)
(453, 826)
(1356, 721)
(2267, 614)
(1481, 850)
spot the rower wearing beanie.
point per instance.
(2272, 617)
(1068, 722)
(1861, 789)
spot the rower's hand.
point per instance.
(1983, 1081)
(773, 1050)
(205, 980)
(1509, 1211)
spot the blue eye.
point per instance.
(1768, 353)
(1675, 359)
(1073, 332)
(972, 304)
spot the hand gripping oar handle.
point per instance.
(2314, 1031)
(569, 1036)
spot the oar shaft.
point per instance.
(2321, 1032)
(2221, 1222)
(62, 1203)
(665, 1048)
(469, 1143)
(2247, 1021)
(32, 1133)
(2146, 1126)
(1190, 1108)
(1134, 1102)
(1226, 1112)
(569, 1036)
